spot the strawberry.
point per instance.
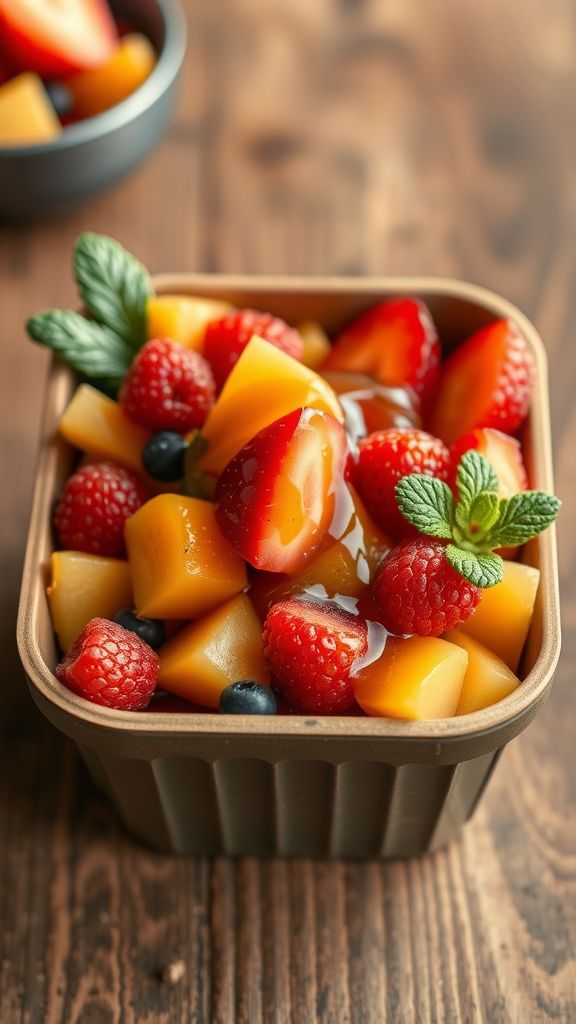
(311, 652)
(111, 666)
(226, 339)
(486, 382)
(386, 456)
(419, 591)
(276, 499)
(168, 387)
(503, 453)
(395, 342)
(94, 506)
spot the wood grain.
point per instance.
(343, 136)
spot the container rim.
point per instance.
(534, 687)
(109, 121)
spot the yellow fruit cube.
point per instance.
(418, 677)
(264, 385)
(96, 424)
(221, 648)
(98, 89)
(26, 115)
(316, 343)
(487, 678)
(183, 318)
(181, 565)
(502, 619)
(84, 587)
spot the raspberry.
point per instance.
(94, 506)
(419, 591)
(168, 387)
(226, 339)
(111, 666)
(386, 456)
(311, 651)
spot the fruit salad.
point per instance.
(63, 62)
(263, 520)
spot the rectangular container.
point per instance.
(346, 787)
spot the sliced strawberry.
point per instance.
(276, 499)
(55, 39)
(370, 406)
(395, 342)
(503, 453)
(311, 652)
(486, 382)
(226, 339)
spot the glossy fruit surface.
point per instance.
(502, 619)
(84, 587)
(488, 679)
(369, 406)
(247, 697)
(419, 591)
(311, 652)
(486, 382)
(395, 342)
(168, 387)
(96, 424)
(226, 339)
(386, 456)
(151, 631)
(163, 455)
(418, 677)
(55, 39)
(277, 498)
(95, 504)
(108, 665)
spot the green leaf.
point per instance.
(197, 484)
(522, 517)
(90, 348)
(484, 512)
(427, 503)
(475, 474)
(483, 570)
(114, 286)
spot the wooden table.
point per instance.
(432, 136)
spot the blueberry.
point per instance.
(151, 631)
(247, 698)
(61, 98)
(163, 455)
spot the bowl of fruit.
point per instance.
(86, 89)
(291, 578)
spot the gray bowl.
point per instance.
(54, 177)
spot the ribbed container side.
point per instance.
(243, 806)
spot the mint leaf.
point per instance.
(484, 512)
(114, 286)
(475, 474)
(92, 349)
(483, 570)
(522, 517)
(427, 503)
(197, 484)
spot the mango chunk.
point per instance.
(418, 677)
(264, 386)
(221, 648)
(96, 424)
(502, 619)
(487, 678)
(98, 89)
(181, 565)
(316, 343)
(85, 587)
(184, 318)
(26, 115)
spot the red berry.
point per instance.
(94, 506)
(486, 382)
(111, 666)
(311, 652)
(226, 339)
(385, 457)
(168, 387)
(419, 591)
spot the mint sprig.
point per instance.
(479, 522)
(114, 286)
(94, 350)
